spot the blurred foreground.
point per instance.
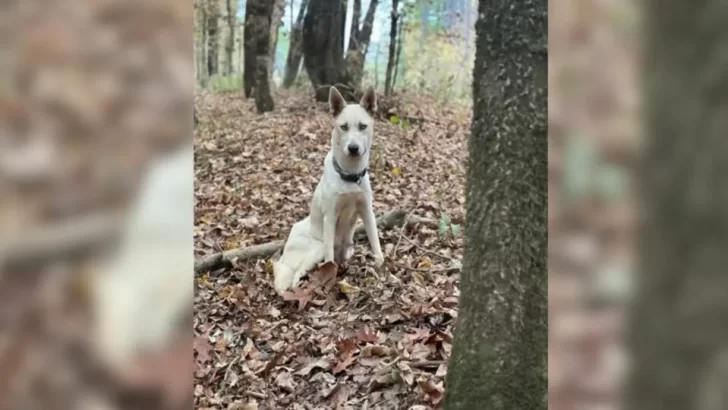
(96, 204)
(594, 136)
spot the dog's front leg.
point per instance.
(370, 226)
(329, 234)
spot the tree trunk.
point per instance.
(354, 30)
(295, 51)
(392, 48)
(323, 49)
(261, 12)
(499, 358)
(398, 54)
(678, 336)
(249, 51)
(213, 17)
(276, 22)
(201, 42)
(231, 8)
(359, 41)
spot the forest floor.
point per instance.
(369, 338)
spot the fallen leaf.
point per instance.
(203, 348)
(348, 289)
(302, 296)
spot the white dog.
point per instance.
(342, 195)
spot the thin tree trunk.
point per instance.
(261, 14)
(323, 49)
(231, 11)
(213, 17)
(678, 335)
(276, 22)
(359, 41)
(398, 54)
(249, 50)
(499, 358)
(392, 48)
(295, 50)
(354, 31)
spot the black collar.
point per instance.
(349, 177)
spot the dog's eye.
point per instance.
(362, 126)
(345, 127)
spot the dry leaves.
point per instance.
(351, 334)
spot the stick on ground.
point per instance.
(224, 259)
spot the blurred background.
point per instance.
(594, 140)
(95, 204)
(432, 52)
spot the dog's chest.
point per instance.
(349, 202)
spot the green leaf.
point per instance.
(444, 224)
(455, 229)
(394, 119)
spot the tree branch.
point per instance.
(225, 259)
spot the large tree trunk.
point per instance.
(231, 9)
(499, 358)
(261, 12)
(678, 334)
(359, 41)
(213, 16)
(392, 47)
(323, 49)
(249, 51)
(276, 22)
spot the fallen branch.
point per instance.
(59, 240)
(225, 259)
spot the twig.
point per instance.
(224, 259)
(401, 233)
(427, 364)
(428, 270)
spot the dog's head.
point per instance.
(353, 123)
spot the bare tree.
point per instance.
(359, 38)
(276, 23)
(213, 17)
(259, 21)
(295, 50)
(392, 47)
(249, 50)
(231, 9)
(323, 49)
(499, 358)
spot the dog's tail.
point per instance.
(282, 277)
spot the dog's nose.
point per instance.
(353, 149)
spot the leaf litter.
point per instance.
(351, 335)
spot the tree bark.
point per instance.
(261, 12)
(359, 41)
(249, 52)
(295, 51)
(678, 337)
(499, 358)
(392, 47)
(213, 16)
(323, 49)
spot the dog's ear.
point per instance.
(369, 100)
(336, 101)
